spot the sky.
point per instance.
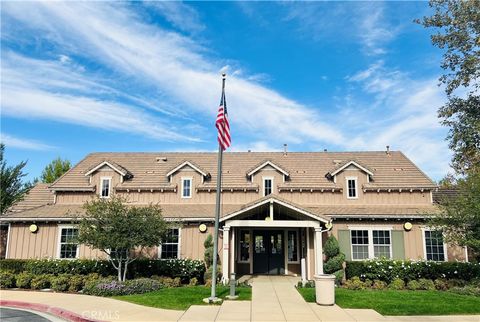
(84, 77)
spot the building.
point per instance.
(277, 208)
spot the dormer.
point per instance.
(105, 180)
(205, 175)
(349, 165)
(267, 164)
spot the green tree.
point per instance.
(12, 187)
(460, 216)
(457, 26)
(55, 170)
(121, 231)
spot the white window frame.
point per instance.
(191, 187)
(179, 248)
(250, 231)
(347, 188)
(109, 187)
(298, 246)
(371, 248)
(265, 179)
(59, 238)
(445, 252)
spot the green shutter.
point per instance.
(398, 245)
(344, 242)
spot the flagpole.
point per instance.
(213, 296)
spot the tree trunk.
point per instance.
(125, 270)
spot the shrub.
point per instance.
(426, 284)
(334, 264)
(331, 248)
(456, 283)
(208, 273)
(112, 288)
(193, 281)
(92, 277)
(441, 284)
(397, 284)
(41, 281)
(379, 285)
(16, 266)
(60, 283)
(7, 279)
(339, 276)
(24, 280)
(413, 285)
(467, 290)
(354, 284)
(475, 282)
(76, 283)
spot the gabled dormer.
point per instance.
(351, 172)
(349, 165)
(265, 165)
(101, 173)
(205, 175)
(186, 182)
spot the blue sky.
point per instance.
(145, 76)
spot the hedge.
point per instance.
(185, 269)
(387, 270)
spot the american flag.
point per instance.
(222, 124)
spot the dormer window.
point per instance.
(105, 183)
(352, 191)
(186, 187)
(267, 186)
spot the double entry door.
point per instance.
(268, 252)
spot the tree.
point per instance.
(121, 231)
(448, 182)
(460, 216)
(12, 188)
(458, 31)
(55, 170)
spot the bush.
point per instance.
(112, 288)
(397, 284)
(193, 282)
(24, 280)
(209, 271)
(16, 266)
(41, 282)
(334, 264)
(456, 283)
(76, 283)
(467, 290)
(60, 283)
(387, 270)
(441, 284)
(426, 284)
(331, 248)
(413, 285)
(339, 276)
(7, 279)
(379, 285)
(354, 284)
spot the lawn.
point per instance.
(180, 298)
(390, 302)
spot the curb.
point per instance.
(59, 312)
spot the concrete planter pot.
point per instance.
(325, 289)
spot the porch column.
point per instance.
(318, 251)
(225, 260)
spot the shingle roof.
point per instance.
(444, 194)
(305, 168)
(38, 196)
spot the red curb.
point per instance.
(59, 312)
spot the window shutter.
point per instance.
(344, 242)
(398, 245)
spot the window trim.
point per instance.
(445, 251)
(109, 187)
(371, 248)
(191, 187)
(59, 238)
(265, 179)
(250, 245)
(298, 246)
(347, 188)
(179, 243)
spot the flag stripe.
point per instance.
(223, 127)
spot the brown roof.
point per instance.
(305, 168)
(444, 195)
(38, 196)
(380, 211)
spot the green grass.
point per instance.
(390, 302)
(180, 298)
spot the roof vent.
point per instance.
(324, 150)
(285, 149)
(164, 159)
(388, 150)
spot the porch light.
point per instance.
(202, 228)
(407, 226)
(33, 228)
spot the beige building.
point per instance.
(277, 208)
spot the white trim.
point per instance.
(263, 184)
(298, 246)
(59, 238)
(307, 231)
(371, 245)
(285, 252)
(239, 253)
(109, 187)
(273, 165)
(185, 164)
(272, 224)
(465, 247)
(351, 163)
(191, 187)
(8, 241)
(445, 252)
(179, 243)
(123, 173)
(347, 188)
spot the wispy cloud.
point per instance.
(179, 14)
(22, 143)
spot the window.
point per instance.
(267, 186)
(292, 246)
(434, 247)
(352, 188)
(370, 243)
(244, 247)
(186, 187)
(105, 187)
(170, 245)
(68, 248)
